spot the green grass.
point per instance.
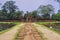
(6, 30)
(41, 23)
(40, 33)
(45, 22)
(16, 23)
(20, 28)
(51, 29)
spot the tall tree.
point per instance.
(46, 11)
(10, 7)
(56, 16)
(18, 14)
(0, 4)
(4, 14)
(59, 3)
(35, 15)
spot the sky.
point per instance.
(30, 5)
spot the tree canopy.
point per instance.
(10, 11)
(45, 10)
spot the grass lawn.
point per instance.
(45, 22)
(19, 30)
(6, 26)
(55, 26)
(40, 33)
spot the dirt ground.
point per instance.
(10, 34)
(48, 34)
(28, 32)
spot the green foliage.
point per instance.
(55, 26)
(34, 14)
(10, 6)
(4, 26)
(46, 11)
(18, 14)
(56, 16)
(10, 11)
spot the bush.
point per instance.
(4, 26)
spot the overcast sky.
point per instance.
(30, 5)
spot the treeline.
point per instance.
(9, 11)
